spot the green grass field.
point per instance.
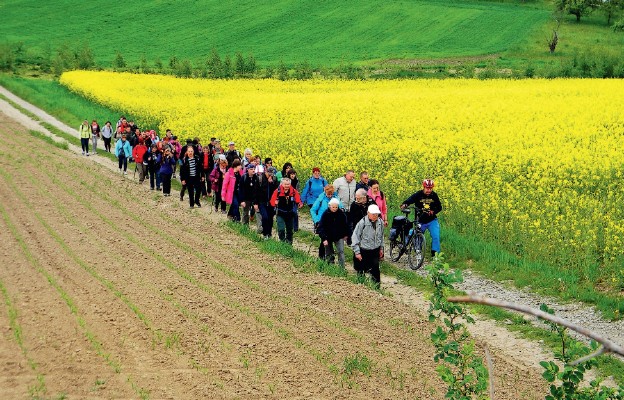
(320, 32)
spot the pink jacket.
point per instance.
(380, 200)
(229, 184)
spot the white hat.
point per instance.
(334, 201)
(373, 209)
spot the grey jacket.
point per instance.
(345, 190)
(367, 237)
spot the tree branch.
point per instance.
(607, 345)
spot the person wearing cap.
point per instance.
(367, 243)
(248, 186)
(262, 204)
(428, 202)
(334, 229)
(286, 200)
(216, 179)
(345, 187)
(232, 154)
(217, 150)
(313, 188)
(318, 208)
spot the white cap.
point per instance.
(373, 209)
(334, 201)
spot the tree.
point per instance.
(145, 69)
(227, 67)
(214, 65)
(611, 8)
(84, 57)
(119, 61)
(282, 71)
(250, 64)
(578, 8)
(239, 65)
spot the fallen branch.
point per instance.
(490, 367)
(607, 345)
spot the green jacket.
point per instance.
(85, 131)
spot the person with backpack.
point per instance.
(313, 188)
(151, 166)
(191, 176)
(85, 134)
(379, 198)
(107, 135)
(231, 190)
(294, 182)
(286, 200)
(123, 151)
(345, 187)
(367, 242)
(248, 186)
(232, 154)
(333, 230)
(262, 204)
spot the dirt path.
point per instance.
(120, 293)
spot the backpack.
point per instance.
(310, 183)
(205, 163)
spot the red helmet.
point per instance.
(428, 183)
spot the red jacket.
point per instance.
(285, 204)
(138, 152)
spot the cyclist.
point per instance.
(429, 203)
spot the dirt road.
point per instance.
(112, 291)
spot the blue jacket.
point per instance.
(312, 189)
(166, 168)
(320, 205)
(126, 148)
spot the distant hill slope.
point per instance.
(321, 32)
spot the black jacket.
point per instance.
(265, 190)
(333, 226)
(358, 211)
(185, 169)
(248, 188)
(425, 202)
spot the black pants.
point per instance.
(218, 201)
(123, 161)
(84, 142)
(182, 191)
(369, 263)
(194, 189)
(107, 144)
(166, 183)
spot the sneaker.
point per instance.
(125, 173)
(159, 189)
(87, 154)
(173, 176)
(151, 188)
(223, 212)
(181, 198)
(83, 153)
(198, 205)
(192, 207)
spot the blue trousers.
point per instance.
(434, 231)
(267, 213)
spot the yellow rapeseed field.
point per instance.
(535, 165)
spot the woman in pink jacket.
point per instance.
(230, 191)
(379, 198)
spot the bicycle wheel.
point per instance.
(416, 251)
(396, 249)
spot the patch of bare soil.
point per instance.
(122, 293)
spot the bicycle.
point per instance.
(407, 237)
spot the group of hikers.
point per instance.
(344, 211)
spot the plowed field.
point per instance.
(111, 291)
